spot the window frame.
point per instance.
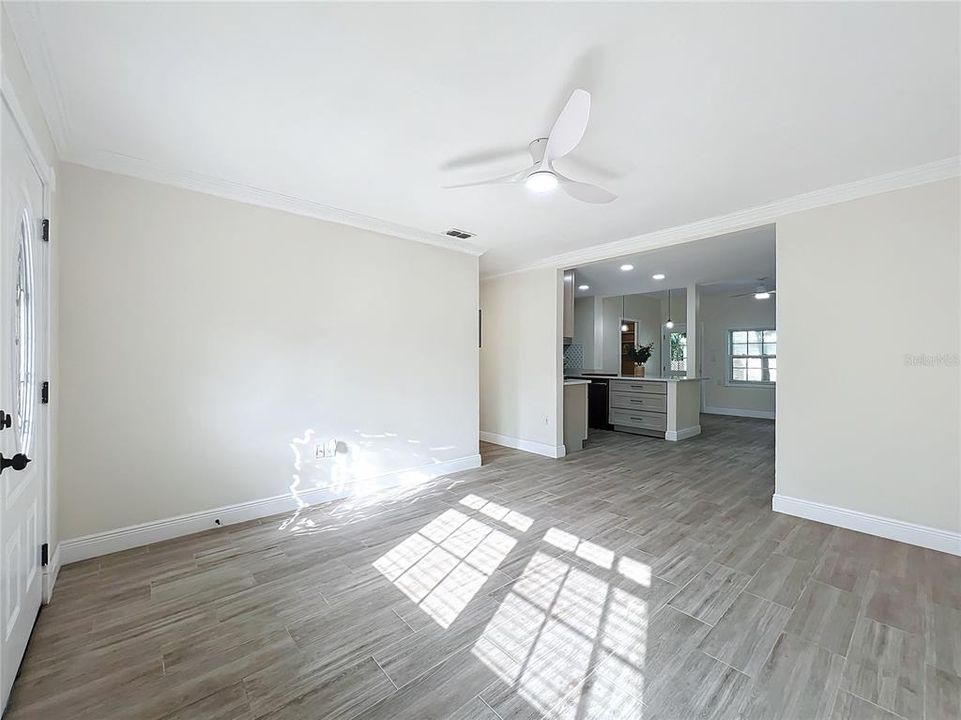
(729, 371)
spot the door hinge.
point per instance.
(44, 555)
(45, 230)
(45, 392)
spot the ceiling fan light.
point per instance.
(541, 181)
(762, 295)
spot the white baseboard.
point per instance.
(933, 538)
(551, 451)
(683, 433)
(738, 412)
(50, 574)
(111, 541)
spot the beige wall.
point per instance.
(858, 426)
(21, 86)
(203, 340)
(717, 315)
(521, 363)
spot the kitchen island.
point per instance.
(661, 407)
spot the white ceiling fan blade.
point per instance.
(585, 192)
(569, 127)
(515, 177)
(755, 292)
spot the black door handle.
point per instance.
(5, 419)
(17, 462)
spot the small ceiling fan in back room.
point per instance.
(763, 291)
(541, 176)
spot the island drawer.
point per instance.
(639, 386)
(638, 419)
(639, 401)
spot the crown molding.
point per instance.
(28, 29)
(40, 160)
(749, 218)
(154, 172)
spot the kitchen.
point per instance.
(663, 403)
(636, 343)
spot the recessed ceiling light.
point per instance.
(627, 268)
(762, 295)
(583, 287)
(657, 276)
(541, 181)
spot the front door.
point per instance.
(23, 441)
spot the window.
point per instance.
(753, 356)
(24, 339)
(678, 344)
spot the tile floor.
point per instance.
(636, 579)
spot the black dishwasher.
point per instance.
(597, 403)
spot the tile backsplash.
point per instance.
(574, 356)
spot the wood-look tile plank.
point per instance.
(475, 709)
(444, 689)
(825, 615)
(894, 601)
(942, 694)
(746, 633)
(885, 665)
(710, 593)
(700, 687)
(781, 579)
(799, 680)
(345, 695)
(942, 633)
(852, 707)
(227, 704)
(806, 541)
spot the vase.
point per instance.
(638, 370)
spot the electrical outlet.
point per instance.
(327, 449)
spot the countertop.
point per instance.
(575, 381)
(654, 378)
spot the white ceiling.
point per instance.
(728, 263)
(698, 109)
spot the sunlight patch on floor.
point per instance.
(516, 520)
(567, 641)
(443, 565)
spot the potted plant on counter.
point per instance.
(640, 355)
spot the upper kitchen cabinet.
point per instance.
(568, 307)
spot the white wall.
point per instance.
(859, 427)
(204, 342)
(719, 314)
(521, 363)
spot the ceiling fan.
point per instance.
(541, 176)
(762, 292)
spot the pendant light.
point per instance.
(624, 327)
(669, 324)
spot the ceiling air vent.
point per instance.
(461, 234)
